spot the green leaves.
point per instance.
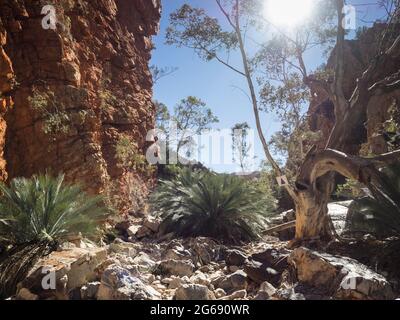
(240, 145)
(56, 120)
(130, 157)
(43, 208)
(191, 117)
(223, 207)
(380, 214)
(193, 28)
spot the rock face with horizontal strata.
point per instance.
(93, 69)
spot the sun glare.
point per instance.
(288, 12)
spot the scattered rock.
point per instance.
(126, 248)
(238, 279)
(118, 284)
(123, 226)
(144, 262)
(259, 272)
(176, 267)
(89, 291)
(176, 283)
(217, 277)
(233, 269)
(25, 294)
(151, 223)
(273, 258)
(133, 230)
(342, 277)
(140, 271)
(176, 254)
(289, 294)
(267, 289)
(142, 232)
(166, 280)
(159, 286)
(200, 278)
(68, 270)
(205, 250)
(234, 282)
(219, 293)
(151, 278)
(206, 269)
(194, 292)
(241, 294)
(235, 258)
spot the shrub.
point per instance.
(108, 100)
(43, 208)
(378, 214)
(55, 120)
(129, 156)
(223, 207)
(36, 214)
(350, 189)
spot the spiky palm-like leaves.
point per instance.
(379, 214)
(43, 208)
(205, 204)
(35, 214)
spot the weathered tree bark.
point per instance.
(314, 189)
(312, 221)
(247, 73)
(315, 182)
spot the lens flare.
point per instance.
(288, 12)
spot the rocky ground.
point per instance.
(141, 267)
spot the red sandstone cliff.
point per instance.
(68, 95)
(358, 55)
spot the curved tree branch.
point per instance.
(319, 164)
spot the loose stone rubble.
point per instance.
(202, 269)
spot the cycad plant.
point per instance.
(222, 207)
(379, 214)
(36, 214)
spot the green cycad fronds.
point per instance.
(43, 208)
(223, 207)
(379, 214)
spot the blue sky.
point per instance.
(214, 83)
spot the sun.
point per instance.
(288, 12)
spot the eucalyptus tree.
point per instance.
(207, 36)
(240, 145)
(315, 181)
(158, 73)
(286, 82)
(190, 117)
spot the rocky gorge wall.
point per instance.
(69, 94)
(358, 55)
